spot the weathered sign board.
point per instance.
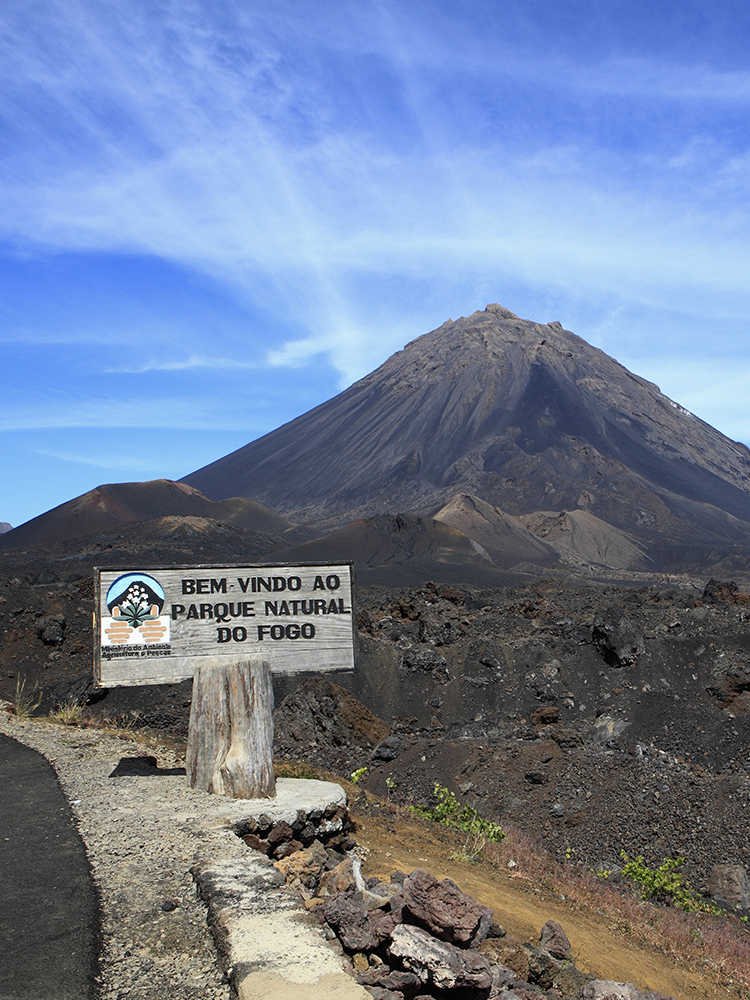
(156, 626)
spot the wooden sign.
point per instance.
(156, 626)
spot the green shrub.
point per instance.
(448, 811)
(358, 775)
(665, 884)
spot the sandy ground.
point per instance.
(597, 948)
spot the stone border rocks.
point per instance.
(276, 838)
(269, 945)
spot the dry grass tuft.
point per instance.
(298, 769)
(26, 701)
(472, 849)
(69, 713)
(122, 724)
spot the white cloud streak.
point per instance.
(110, 461)
(127, 416)
(195, 362)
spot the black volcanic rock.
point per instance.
(528, 417)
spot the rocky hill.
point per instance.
(158, 505)
(5, 526)
(526, 417)
(409, 549)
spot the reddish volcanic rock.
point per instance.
(445, 911)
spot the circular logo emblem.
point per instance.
(135, 598)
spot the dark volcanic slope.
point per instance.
(523, 415)
(107, 508)
(411, 549)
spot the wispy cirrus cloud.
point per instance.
(222, 139)
(52, 338)
(195, 362)
(125, 416)
(109, 461)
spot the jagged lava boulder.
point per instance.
(444, 910)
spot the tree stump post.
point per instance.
(230, 734)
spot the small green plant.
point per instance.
(665, 884)
(68, 713)
(358, 775)
(449, 811)
(390, 783)
(26, 701)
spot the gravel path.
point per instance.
(142, 834)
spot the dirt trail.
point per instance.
(523, 910)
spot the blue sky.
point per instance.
(216, 215)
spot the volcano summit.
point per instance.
(525, 416)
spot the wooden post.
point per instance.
(230, 734)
